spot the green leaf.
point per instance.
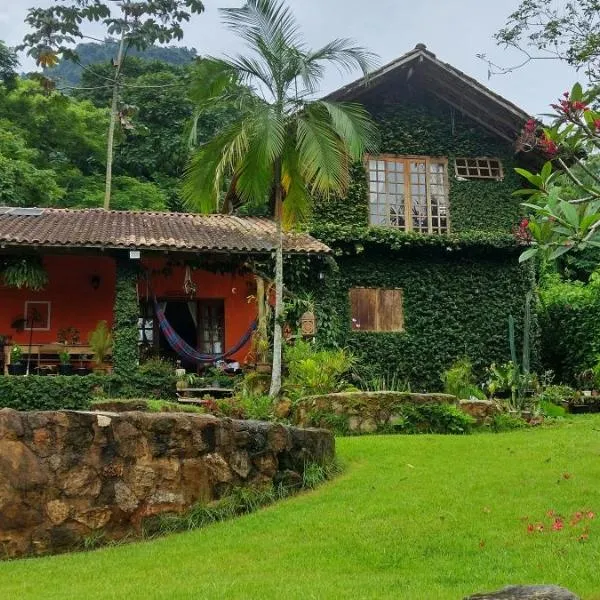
(528, 254)
(535, 180)
(559, 252)
(546, 171)
(570, 213)
(577, 92)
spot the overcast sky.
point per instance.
(455, 30)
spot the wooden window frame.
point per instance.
(382, 321)
(481, 163)
(405, 159)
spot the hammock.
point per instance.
(187, 352)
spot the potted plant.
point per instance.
(16, 367)
(65, 367)
(101, 341)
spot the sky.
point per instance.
(455, 30)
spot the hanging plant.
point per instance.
(27, 272)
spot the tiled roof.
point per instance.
(96, 228)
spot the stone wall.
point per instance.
(66, 476)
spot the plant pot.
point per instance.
(82, 371)
(65, 369)
(17, 368)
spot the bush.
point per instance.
(434, 418)
(557, 394)
(312, 372)
(549, 409)
(506, 422)
(73, 392)
(459, 380)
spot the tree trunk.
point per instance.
(111, 127)
(277, 329)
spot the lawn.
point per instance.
(432, 517)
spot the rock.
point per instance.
(20, 467)
(125, 499)
(94, 518)
(103, 420)
(218, 468)
(11, 425)
(240, 463)
(283, 409)
(57, 511)
(481, 410)
(527, 592)
(82, 481)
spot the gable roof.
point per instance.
(422, 68)
(97, 228)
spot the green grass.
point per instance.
(432, 517)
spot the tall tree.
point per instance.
(286, 146)
(566, 30)
(8, 65)
(137, 24)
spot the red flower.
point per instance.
(578, 105)
(548, 146)
(557, 525)
(525, 223)
(530, 126)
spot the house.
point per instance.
(111, 266)
(428, 263)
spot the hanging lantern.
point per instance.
(308, 324)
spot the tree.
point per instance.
(564, 197)
(8, 65)
(568, 30)
(285, 147)
(138, 24)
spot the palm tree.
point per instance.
(286, 147)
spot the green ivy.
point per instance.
(126, 311)
(435, 129)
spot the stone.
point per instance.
(218, 468)
(11, 425)
(57, 511)
(368, 426)
(283, 409)
(125, 499)
(141, 480)
(481, 410)
(82, 481)
(20, 467)
(240, 463)
(94, 518)
(103, 421)
(527, 592)
(266, 464)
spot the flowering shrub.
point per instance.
(564, 197)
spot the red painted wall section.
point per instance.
(73, 300)
(237, 292)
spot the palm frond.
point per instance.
(268, 21)
(354, 126)
(297, 206)
(211, 79)
(321, 154)
(211, 164)
(347, 56)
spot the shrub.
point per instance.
(459, 380)
(434, 418)
(312, 372)
(549, 409)
(556, 394)
(259, 407)
(506, 422)
(73, 392)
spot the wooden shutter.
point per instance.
(377, 309)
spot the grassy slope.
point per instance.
(412, 517)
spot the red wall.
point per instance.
(233, 289)
(74, 302)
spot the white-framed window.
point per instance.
(409, 193)
(479, 168)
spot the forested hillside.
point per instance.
(53, 141)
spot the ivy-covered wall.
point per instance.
(459, 289)
(435, 129)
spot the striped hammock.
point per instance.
(187, 352)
